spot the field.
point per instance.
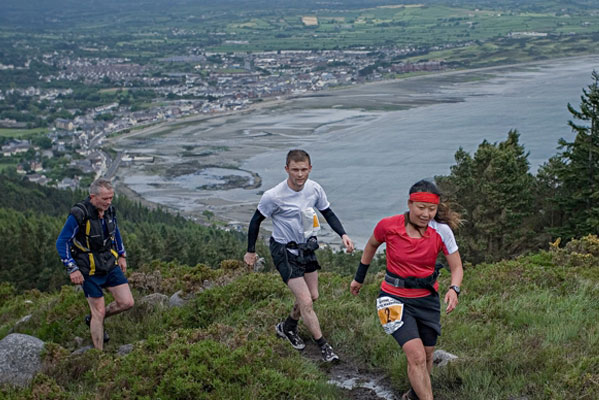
(21, 133)
(7, 165)
(511, 51)
(152, 33)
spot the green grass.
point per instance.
(149, 34)
(510, 51)
(523, 328)
(114, 90)
(431, 25)
(21, 133)
(6, 165)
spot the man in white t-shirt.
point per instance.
(290, 205)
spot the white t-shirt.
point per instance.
(287, 208)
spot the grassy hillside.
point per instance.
(525, 328)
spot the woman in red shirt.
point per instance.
(408, 304)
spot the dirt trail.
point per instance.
(359, 384)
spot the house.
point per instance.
(39, 179)
(65, 124)
(131, 158)
(35, 166)
(84, 165)
(68, 183)
(15, 147)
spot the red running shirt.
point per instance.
(408, 256)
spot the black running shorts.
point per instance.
(421, 317)
(288, 264)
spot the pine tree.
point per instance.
(493, 191)
(548, 190)
(577, 169)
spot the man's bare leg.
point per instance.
(96, 325)
(123, 300)
(303, 299)
(311, 279)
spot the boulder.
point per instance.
(154, 300)
(82, 350)
(20, 359)
(179, 299)
(125, 349)
(441, 358)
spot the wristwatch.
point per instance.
(455, 288)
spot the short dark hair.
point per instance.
(425, 186)
(298, 155)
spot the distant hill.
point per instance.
(36, 14)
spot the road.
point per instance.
(114, 165)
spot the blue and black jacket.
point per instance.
(89, 243)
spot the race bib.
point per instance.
(310, 222)
(390, 313)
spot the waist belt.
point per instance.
(305, 250)
(310, 245)
(395, 281)
(414, 283)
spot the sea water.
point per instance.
(367, 166)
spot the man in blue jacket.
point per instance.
(91, 248)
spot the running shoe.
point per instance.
(410, 395)
(328, 354)
(292, 336)
(88, 320)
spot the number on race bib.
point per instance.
(390, 312)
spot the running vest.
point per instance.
(94, 252)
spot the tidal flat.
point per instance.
(368, 142)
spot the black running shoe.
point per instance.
(88, 320)
(328, 354)
(292, 336)
(410, 395)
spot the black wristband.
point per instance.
(361, 272)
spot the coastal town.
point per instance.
(215, 83)
(69, 83)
